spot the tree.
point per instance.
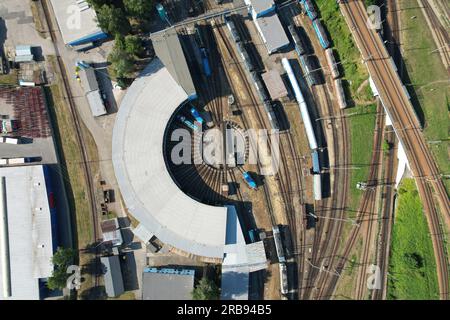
(61, 260)
(206, 290)
(97, 4)
(112, 20)
(139, 9)
(133, 45)
(121, 62)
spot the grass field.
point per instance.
(429, 82)
(412, 266)
(9, 79)
(70, 156)
(361, 131)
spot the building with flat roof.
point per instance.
(168, 49)
(271, 31)
(113, 276)
(77, 22)
(25, 233)
(274, 83)
(92, 90)
(167, 284)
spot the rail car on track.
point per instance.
(298, 42)
(187, 123)
(320, 32)
(278, 244)
(200, 40)
(232, 28)
(332, 63)
(197, 115)
(317, 187)
(340, 93)
(308, 70)
(283, 279)
(309, 9)
(249, 180)
(301, 103)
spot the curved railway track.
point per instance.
(79, 136)
(422, 163)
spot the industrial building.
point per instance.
(77, 22)
(149, 191)
(92, 91)
(240, 259)
(168, 49)
(27, 232)
(268, 24)
(112, 275)
(167, 284)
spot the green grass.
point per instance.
(429, 81)
(361, 135)
(412, 267)
(9, 79)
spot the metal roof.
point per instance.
(272, 32)
(167, 286)
(168, 48)
(96, 103)
(113, 276)
(147, 187)
(29, 231)
(239, 260)
(88, 79)
(75, 22)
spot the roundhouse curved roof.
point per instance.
(148, 190)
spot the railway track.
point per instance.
(385, 225)
(401, 112)
(79, 135)
(441, 35)
(286, 184)
(327, 234)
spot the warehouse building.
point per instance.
(27, 233)
(92, 91)
(77, 22)
(167, 284)
(113, 276)
(268, 24)
(168, 49)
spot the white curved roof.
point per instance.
(148, 190)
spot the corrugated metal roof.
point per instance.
(167, 286)
(112, 275)
(272, 32)
(29, 229)
(23, 50)
(168, 49)
(74, 23)
(147, 187)
(96, 103)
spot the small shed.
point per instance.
(23, 54)
(274, 84)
